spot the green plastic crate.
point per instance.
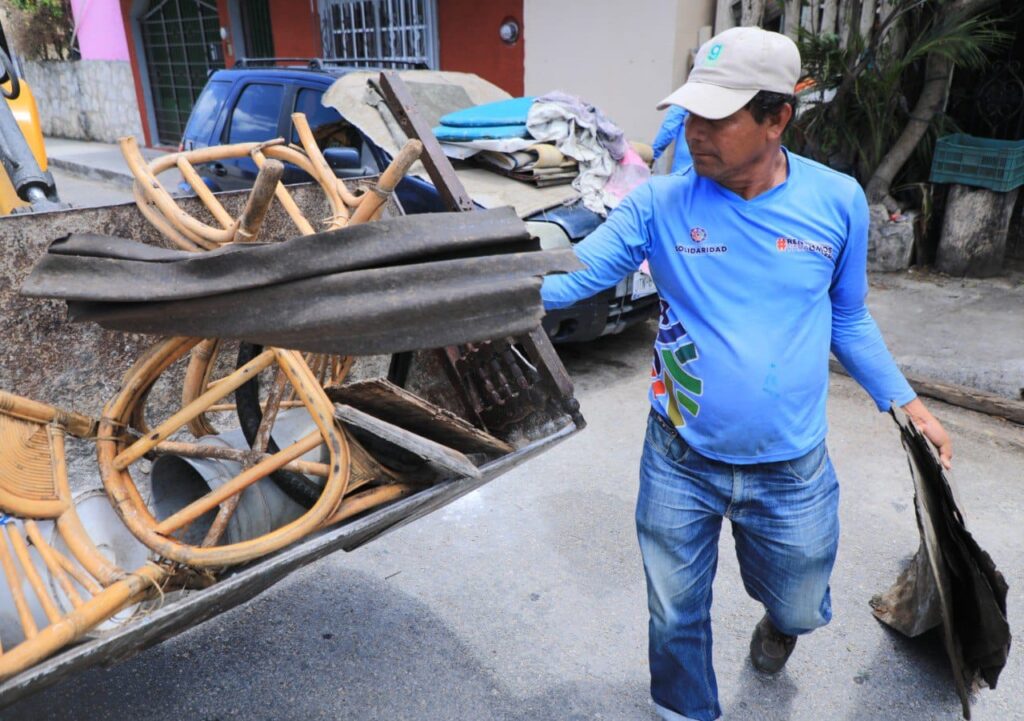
(994, 164)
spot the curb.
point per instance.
(92, 172)
(957, 395)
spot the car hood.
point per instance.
(356, 97)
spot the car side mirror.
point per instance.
(343, 158)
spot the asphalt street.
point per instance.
(525, 600)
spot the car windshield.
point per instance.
(204, 114)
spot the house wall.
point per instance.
(85, 99)
(91, 98)
(295, 28)
(100, 29)
(623, 58)
(469, 41)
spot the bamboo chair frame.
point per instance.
(32, 452)
(116, 451)
(158, 206)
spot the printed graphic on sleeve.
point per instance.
(673, 386)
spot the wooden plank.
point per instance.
(437, 454)
(439, 168)
(957, 395)
(395, 405)
(259, 200)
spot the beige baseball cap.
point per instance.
(732, 67)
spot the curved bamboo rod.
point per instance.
(158, 195)
(197, 377)
(389, 179)
(285, 198)
(203, 192)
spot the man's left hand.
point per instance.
(929, 425)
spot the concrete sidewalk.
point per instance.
(965, 331)
(98, 161)
(95, 161)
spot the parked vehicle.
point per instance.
(254, 101)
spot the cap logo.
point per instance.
(713, 54)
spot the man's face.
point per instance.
(725, 150)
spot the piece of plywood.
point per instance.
(435, 453)
(388, 402)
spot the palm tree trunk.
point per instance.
(791, 21)
(830, 10)
(723, 16)
(846, 15)
(895, 34)
(932, 99)
(752, 11)
(867, 18)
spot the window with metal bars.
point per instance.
(380, 33)
(181, 39)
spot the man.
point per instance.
(759, 257)
(672, 131)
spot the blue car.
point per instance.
(246, 104)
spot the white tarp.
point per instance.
(437, 93)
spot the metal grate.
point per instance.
(380, 33)
(256, 27)
(182, 45)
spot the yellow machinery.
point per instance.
(23, 107)
(25, 184)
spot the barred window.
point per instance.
(380, 33)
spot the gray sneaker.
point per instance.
(769, 647)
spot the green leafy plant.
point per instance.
(877, 101)
(43, 28)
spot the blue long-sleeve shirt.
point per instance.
(753, 293)
(673, 128)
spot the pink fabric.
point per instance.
(100, 27)
(630, 173)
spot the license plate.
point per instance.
(643, 285)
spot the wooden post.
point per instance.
(259, 201)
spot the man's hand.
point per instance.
(932, 429)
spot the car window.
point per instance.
(255, 115)
(307, 101)
(205, 112)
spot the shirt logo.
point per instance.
(698, 234)
(795, 245)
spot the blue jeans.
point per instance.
(786, 526)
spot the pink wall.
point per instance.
(100, 29)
